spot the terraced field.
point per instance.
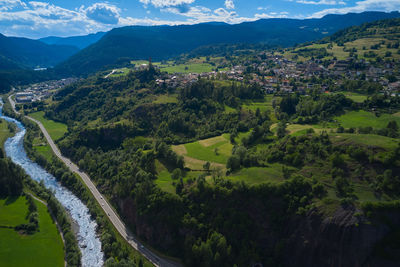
(215, 150)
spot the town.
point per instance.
(40, 91)
(287, 76)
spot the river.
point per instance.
(89, 242)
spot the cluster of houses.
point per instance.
(289, 76)
(40, 91)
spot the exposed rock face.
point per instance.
(340, 240)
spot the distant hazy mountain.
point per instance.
(78, 41)
(29, 53)
(161, 42)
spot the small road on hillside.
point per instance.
(111, 73)
(115, 220)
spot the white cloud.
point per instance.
(38, 19)
(361, 6)
(104, 13)
(321, 2)
(11, 4)
(166, 3)
(271, 15)
(229, 4)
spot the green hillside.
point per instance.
(370, 41)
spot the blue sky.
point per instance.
(35, 19)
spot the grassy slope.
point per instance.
(258, 175)
(364, 119)
(55, 129)
(4, 132)
(206, 152)
(166, 99)
(376, 35)
(44, 248)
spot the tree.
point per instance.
(206, 166)
(233, 163)
(176, 174)
(281, 129)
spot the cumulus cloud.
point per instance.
(229, 4)
(271, 15)
(11, 4)
(361, 6)
(321, 2)
(167, 3)
(104, 13)
(38, 19)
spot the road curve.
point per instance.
(115, 220)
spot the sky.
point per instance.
(36, 19)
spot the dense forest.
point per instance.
(118, 132)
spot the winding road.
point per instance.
(114, 219)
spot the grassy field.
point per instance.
(12, 211)
(45, 151)
(217, 149)
(44, 248)
(359, 98)
(166, 99)
(188, 68)
(164, 179)
(55, 129)
(258, 175)
(364, 119)
(362, 46)
(265, 105)
(4, 132)
(366, 139)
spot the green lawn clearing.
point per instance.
(258, 175)
(55, 129)
(44, 248)
(364, 119)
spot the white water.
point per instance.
(89, 242)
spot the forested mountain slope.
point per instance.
(77, 41)
(375, 42)
(162, 42)
(32, 53)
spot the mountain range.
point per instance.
(16, 52)
(80, 42)
(82, 55)
(163, 42)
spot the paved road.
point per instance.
(111, 73)
(115, 220)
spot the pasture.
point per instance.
(56, 129)
(4, 132)
(258, 175)
(44, 248)
(364, 119)
(166, 99)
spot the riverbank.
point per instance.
(115, 245)
(89, 242)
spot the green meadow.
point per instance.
(4, 132)
(44, 248)
(258, 175)
(166, 99)
(55, 129)
(364, 119)
(217, 149)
